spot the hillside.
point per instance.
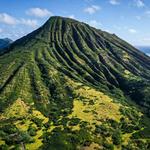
(70, 86)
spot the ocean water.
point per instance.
(145, 49)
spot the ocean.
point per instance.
(145, 49)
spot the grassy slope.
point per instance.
(91, 107)
(56, 80)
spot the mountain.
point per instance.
(5, 42)
(69, 86)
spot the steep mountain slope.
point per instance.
(70, 86)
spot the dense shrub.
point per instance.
(116, 137)
(25, 137)
(37, 121)
(32, 130)
(62, 140)
(10, 129)
(103, 130)
(108, 146)
(74, 121)
(4, 147)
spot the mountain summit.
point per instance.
(74, 87)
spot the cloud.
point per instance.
(88, 1)
(10, 20)
(132, 31)
(95, 23)
(146, 39)
(138, 17)
(38, 12)
(139, 3)
(1, 30)
(71, 16)
(117, 27)
(147, 13)
(143, 15)
(7, 19)
(107, 30)
(29, 22)
(92, 9)
(114, 2)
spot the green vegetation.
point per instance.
(116, 137)
(69, 86)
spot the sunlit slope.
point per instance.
(68, 80)
(90, 118)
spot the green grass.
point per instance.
(70, 81)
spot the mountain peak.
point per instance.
(67, 80)
(61, 19)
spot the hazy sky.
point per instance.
(129, 19)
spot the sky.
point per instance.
(128, 19)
